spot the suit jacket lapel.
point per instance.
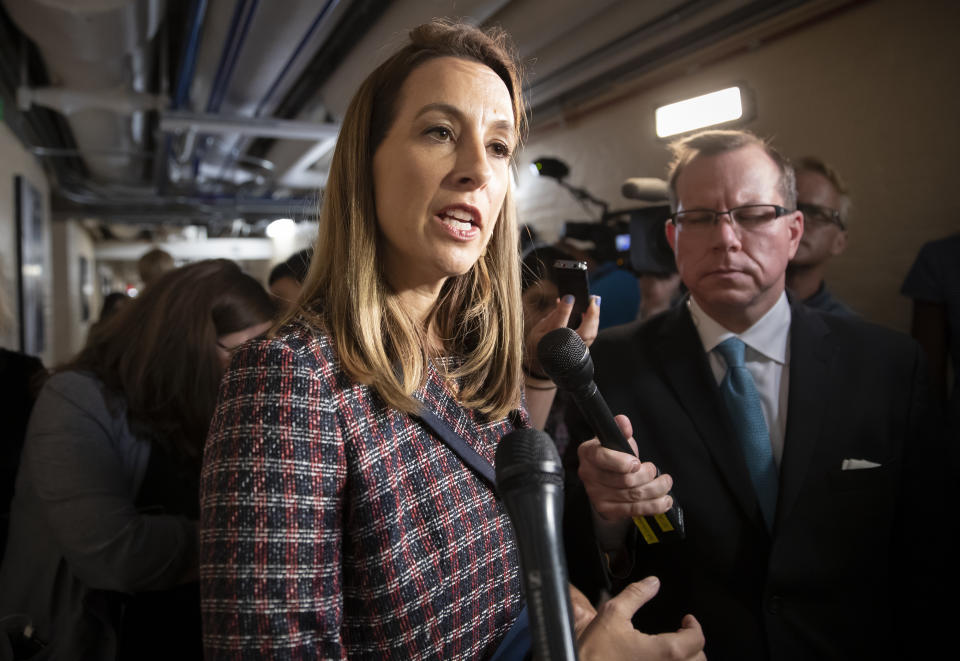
(810, 351)
(686, 370)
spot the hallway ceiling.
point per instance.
(224, 113)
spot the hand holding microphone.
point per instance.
(618, 485)
(530, 483)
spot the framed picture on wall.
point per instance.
(85, 288)
(32, 268)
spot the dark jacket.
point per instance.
(77, 540)
(853, 557)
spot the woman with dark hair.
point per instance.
(336, 522)
(542, 312)
(103, 533)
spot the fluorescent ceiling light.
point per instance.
(281, 228)
(698, 112)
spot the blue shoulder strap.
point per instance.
(517, 643)
(455, 442)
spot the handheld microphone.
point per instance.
(646, 189)
(566, 360)
(530, 483)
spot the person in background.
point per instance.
(102, 555)
(823, 199)
(543, 311)
(154, 263)
(801, 444)
(347, 501)
(21, 376)
(283, 284)
(287, 277)
(933, 284)
(112, 304)
(617, 287)
(658, 292)
(620, 291)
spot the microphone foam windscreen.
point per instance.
(527, 453)
(560, 351)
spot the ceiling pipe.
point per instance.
(317, 22)
(328, 8)
(188, 63)
(236, 36)
(68, 101)
(233, 44)
(210, 124)
(94, 48)
(188, 67)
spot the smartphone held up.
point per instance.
(572, 280)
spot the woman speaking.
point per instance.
(344, 510)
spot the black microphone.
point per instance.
(530, 483)
(564, 357)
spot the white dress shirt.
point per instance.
(767, 358)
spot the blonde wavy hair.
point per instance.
(478, 314)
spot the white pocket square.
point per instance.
(857, 464)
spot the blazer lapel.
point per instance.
(686, 370)
(810, 351)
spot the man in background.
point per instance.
(800, 444)
(822, 198)
(153, 264)
(286, 278)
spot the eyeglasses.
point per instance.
(750, 218)
(818, 215)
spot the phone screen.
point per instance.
(572, 279)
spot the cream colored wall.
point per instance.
(873, 90)
(15, 160)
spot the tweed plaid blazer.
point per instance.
(335, 527)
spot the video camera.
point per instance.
(634, 237)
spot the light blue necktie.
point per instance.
(746, 414)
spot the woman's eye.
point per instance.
(500, 149)
(440, 133)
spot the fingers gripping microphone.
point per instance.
(530, 483)
(565, 358)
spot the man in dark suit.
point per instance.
(799, 443)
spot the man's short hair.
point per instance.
(715, 142)
(281, 270)
(296, 266)
(814, 164)
(153, 264)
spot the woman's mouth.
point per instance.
(457, 219)
(461, 221)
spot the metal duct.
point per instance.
(95, 47)
(251, 54)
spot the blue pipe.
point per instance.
(327, 8)
(236, 35)
(231, 52)
(188, 67)
(227, 47)
(331, 4)
(188, 63)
